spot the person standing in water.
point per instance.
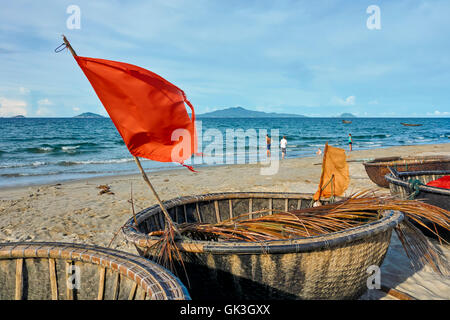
(283, 145)
(268, 141)
(350, 141)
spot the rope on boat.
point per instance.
(414, 185)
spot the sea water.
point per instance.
(51, 150)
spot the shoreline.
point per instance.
(207, 167)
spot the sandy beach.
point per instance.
(76, 212)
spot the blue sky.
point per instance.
(316, 58)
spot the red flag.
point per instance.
(147, 110)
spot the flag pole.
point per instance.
(323, 166)
(138, 162)
(147, 180)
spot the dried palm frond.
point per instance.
(419, 249)
(359, 209)
(166, 252)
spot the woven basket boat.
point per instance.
(63, 271)
(332, 266)
(378, 168)
(404, 185)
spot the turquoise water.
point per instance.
(47, 150)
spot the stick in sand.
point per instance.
(136, 159)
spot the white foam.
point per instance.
(69, 148)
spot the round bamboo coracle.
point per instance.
(378, 168)
(331, 266)
(412, 185)
(63, 271)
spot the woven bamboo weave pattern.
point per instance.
(331, 266)
(40, 270)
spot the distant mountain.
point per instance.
(239, 112)
(347, 115)
(89, 115)
(19, 116)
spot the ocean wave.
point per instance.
(26, 174)
(17, 139)
(82, 147)
(81, 162)
(370, 136)
(42, 149)
(64, 163)
(317, 138)
(23, 165)
(13, 175)
(69, 148)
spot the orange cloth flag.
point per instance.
(147, 110)
(334, 165)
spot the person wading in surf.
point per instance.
(350, 141)
(283, 145)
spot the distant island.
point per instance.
(89, 115)
(239, 112)
(347, 115)
(19, 116)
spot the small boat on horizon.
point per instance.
(346, 121)
(411, 124)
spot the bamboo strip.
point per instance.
(250, 208)
(101, 283)
(197, 210)
(216, 206)
(53, 281)
(116, 286)
(69, 289)
(230, 202)
(19, 279)
(132, 292)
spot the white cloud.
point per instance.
(9, 107)
(24, 90)
(438, 113)
(76, 109)
(44, 102)
(349, 101)
(43, 111)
